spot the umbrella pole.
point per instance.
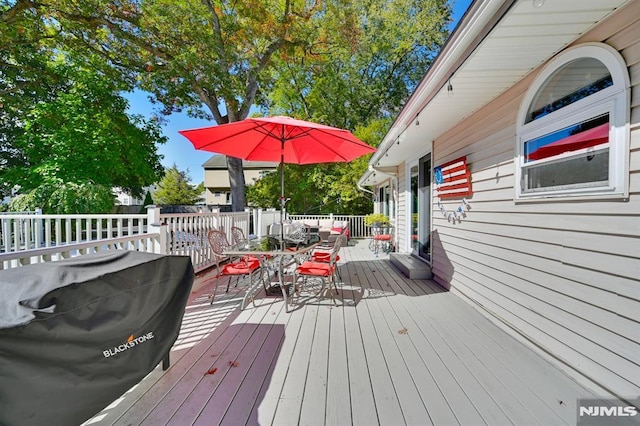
(282, 201)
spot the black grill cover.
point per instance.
(76, 334)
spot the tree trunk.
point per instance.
(236, 179)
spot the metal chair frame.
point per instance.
(328, 268)
(218, 243)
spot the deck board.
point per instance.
(290, 397)
(314, 396)
(384, 394)
(338, 408)
(394, 351)
(241, 407)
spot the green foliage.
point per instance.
(148, 201)
(349, 64)
(66, 198)
(187, 53)
(174, 189)
(371, 61)
(376, 218)
(63, 124)
(83, 138)
(359, 80)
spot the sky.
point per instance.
(179, 151)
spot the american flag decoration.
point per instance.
(453, 179)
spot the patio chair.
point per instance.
(296, 235)
(323, 252)
(244, 266)
(323, 270)
(381, 239)
(238, 236)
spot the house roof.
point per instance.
(219, 161)
(495, 45)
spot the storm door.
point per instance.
(420, 219)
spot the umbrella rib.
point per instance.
(259, 127)
(209, 144)
(286, 133)
(262, 128)
(328, 146)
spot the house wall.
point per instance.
(217, 180)
(216, 196)
(404, 194)
(565, 275)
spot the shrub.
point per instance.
(376, 218)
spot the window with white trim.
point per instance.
(573, 127)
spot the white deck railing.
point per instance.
(33, 238)
(142, 242)
(187, 233)
(20, 232)
(357, 228)
(28, 238)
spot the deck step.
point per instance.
(412, 267)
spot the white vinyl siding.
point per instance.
(401, 219)
(565, 275)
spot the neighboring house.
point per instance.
(514, 171)
(216, 178)
(124, 199)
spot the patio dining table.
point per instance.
(274, 258)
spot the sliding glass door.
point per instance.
(420, 213)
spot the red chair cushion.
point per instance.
(240, 268)
(317, 269)
(249, 258)
(323, 257)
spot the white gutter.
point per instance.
(394, 177)
(362, 188)
(474, 26)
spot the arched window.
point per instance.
(573, 127)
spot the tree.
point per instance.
(373, 64)
(333, 186)
(343, 59)
(373, 68)
(59, 197)
(82, 136)
(64, 130)
(174, 189)
(148, 201)
(187, 53)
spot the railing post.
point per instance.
(157, 227)
(39, 223)
(257, 222)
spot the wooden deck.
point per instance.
(395, 351)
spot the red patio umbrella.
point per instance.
(279, 139)
(586, 139)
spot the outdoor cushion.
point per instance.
(240, 268)
(383, 237)
(318, 269)
(323, 257)
(249, 258)
(325, 223)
